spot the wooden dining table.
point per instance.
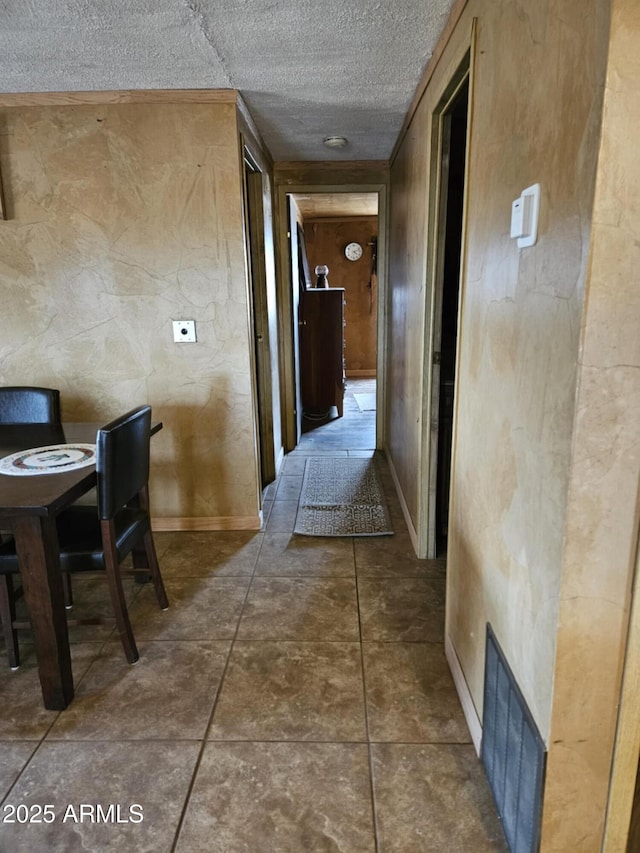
(28, 508)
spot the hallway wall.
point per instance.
(601, 535)
(535, 64)
(122, 217)
(544, 511)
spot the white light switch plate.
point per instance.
(530, 199)
(184, 331)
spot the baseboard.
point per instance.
(403, 504)
(232, 522)
(360, 374)
(468, 708)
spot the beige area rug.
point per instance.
(366, 402)
(342, 497)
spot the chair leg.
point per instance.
(117, 597)
(8, 616)
(67, 590)
(154, 568)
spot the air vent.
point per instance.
(513, 753)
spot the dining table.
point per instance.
(29, 506)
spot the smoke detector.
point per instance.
(335, 142)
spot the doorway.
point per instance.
(322, 223)
(450, 137)
(255, 242)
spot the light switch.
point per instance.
(184, 331)
(524, 216)
(518, 216)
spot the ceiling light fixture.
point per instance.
(335, 142)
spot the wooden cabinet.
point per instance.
(322, 350)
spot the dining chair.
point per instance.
(24, 404)
(8, 616)
(100, 538)
(27, 404)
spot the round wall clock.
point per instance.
(353, 251)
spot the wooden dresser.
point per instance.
(322, 350)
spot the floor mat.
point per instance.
(342, 497)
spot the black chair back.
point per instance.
(122, 460)
(29, 405)
(100, 542)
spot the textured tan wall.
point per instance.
(407, 306)
(325, 242)
(536, 109)
(122, 218)
(602, 512)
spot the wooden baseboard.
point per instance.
(232, 522)
(403, 504)
(360, 374)
(468, 708)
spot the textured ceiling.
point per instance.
(306, 70)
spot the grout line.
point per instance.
(209, 724)
(101, 644)
(374, 813)
(37, 745)
(249, 578)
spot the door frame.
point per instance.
(288, 356)
(621, 802)
(248, 142)
(294, 289)
(428, 469)
(254, 227)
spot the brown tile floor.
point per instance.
(295, 697)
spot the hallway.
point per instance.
(295, 697)
(355, 430)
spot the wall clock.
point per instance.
(353, 251)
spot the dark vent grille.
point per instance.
(513, 753)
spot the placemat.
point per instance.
(52, 459)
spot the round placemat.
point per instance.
(52, 459)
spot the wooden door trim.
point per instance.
(621, 805)
(260, 318)
(425, 547)
(119, 96)
(285, 304)
(427, 544)
(431, 417)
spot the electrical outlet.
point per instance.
(184, 331)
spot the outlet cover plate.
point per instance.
(184, 331)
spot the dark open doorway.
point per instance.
(452, 153)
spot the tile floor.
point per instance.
(295, 697)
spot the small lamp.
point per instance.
(322, 272)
